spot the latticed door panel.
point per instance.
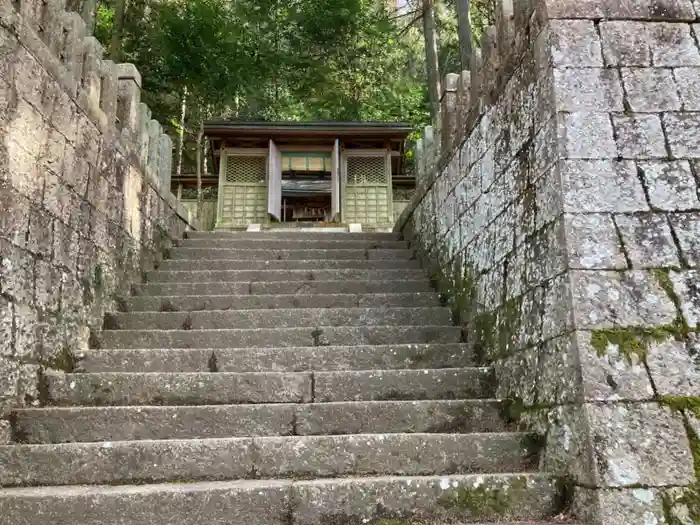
(367, 171)
(245, 169)
(243, 198)
(367, 190)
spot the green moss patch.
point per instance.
(631, 341)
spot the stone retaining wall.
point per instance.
(558, 206)
(85, 202)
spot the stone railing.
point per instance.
(85, 202)
(558, 206)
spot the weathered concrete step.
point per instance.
(305, 457)
(416, 500)
(175, 303)
(296, 359)
(279, 337)
(287, 264)
(281, 318)
(178, 389)
(108, 388)
(115, 423)
(277, 253)
(383, 385)
(205, 276)
(310, 243)
(295, 235)
(288, 288)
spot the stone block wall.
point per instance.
(85, 202)
(558, 207)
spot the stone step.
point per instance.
(429, 499)
(175, 303)
(207, 276)
(279, 337)
(296, 235)
(310, 243)
(298, 253)
(294, 359)
(287, 264)
(124, 423)
(108, 388)
(288, 288)
(281, 318)
(305, 457)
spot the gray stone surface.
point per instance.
(124, 423)
(384, 385)
(288, 264)
(688, 82)
(674, 366)
(301, 254)
(217, 503)
(651, 90)
(648, 240)
(228, 276)
(591, 89)
(686, 226)
(284, 318)
(586, 135)
(280, 337)
(516, 497)
(288, 288)
(575, 44)
(583, 179)
(671, 185)
(593, 242)
(614, 299)
(178, 389)
(625, 43)
(611, 374)
(312, 243)
(294, 359)
(354, 417)
(285, 301)
(683, 134)
(639, 135)
(685, 286)
(639, 444)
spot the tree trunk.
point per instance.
(465, 33)
(200, 163)
(431, 58)
(115, 48)
(181, 133)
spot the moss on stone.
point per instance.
(483, 501)
(63, 360)
(690, 498)
(631, 341)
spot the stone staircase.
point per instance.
(275, 379)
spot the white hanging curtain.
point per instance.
(274, 183)
(335, 182)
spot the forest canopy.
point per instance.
(341, 60)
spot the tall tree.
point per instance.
(115, 48)
(431, 58)
(465, 32)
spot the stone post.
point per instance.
(448, 111)
(129, 102)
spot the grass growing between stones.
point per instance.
(689, 406)
(631, 341)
